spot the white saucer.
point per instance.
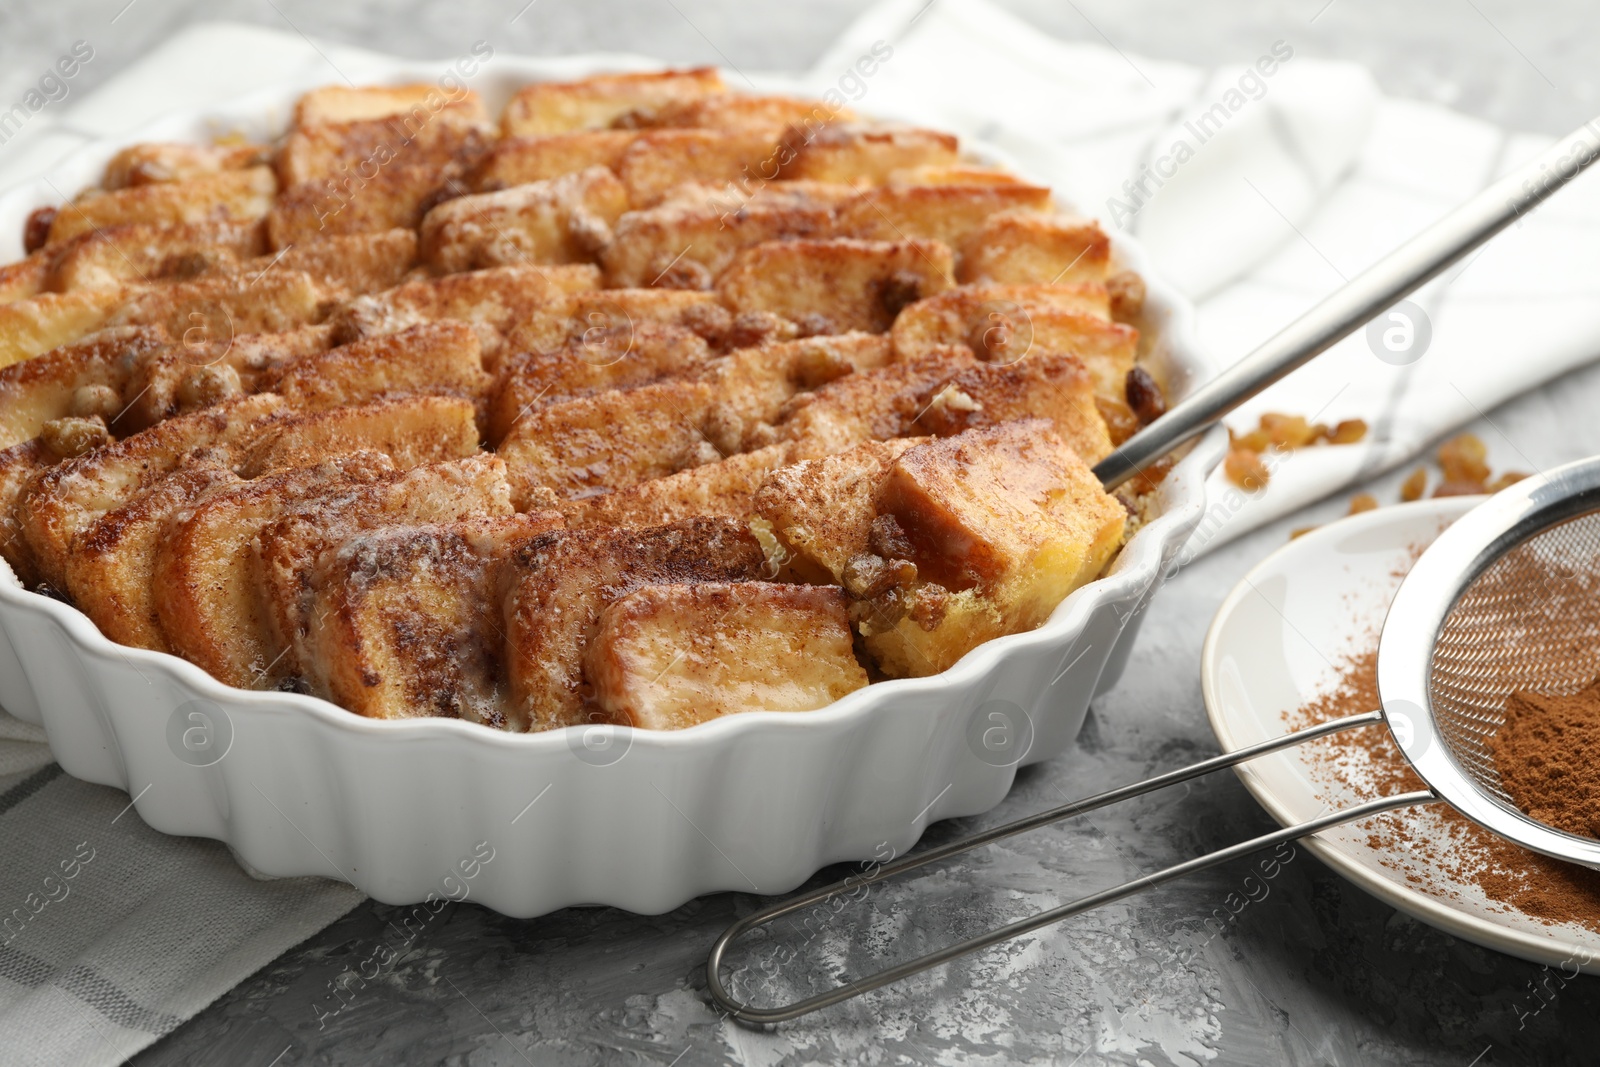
(1275, 643)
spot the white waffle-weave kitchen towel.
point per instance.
(1291, 175)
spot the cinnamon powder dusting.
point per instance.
(1548, 754)
(1549, 759)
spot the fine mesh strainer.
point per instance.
(1506, 600)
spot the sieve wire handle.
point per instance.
(1358, 301)
(750, 1014)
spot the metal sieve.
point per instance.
(1488, 610)
(1507, 599)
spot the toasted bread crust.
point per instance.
(595, 103)
(207, 604)
(62, 502)
(557, 585)
(406, 621)
(111, 567)
(430, 359)
(608, 441)
(603, 359)
(409, 430)
(563, 220)
(839, 284)
(286, 551)
(660, 658)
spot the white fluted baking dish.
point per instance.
(638, 819)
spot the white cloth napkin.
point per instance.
(1309, 178)
(1293, 181)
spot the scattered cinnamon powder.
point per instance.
(1548, 755)
(1433, 847)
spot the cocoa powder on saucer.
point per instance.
(1548, 755)
(1437, 850)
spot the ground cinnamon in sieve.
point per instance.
(1433, 847)
(1548, 755)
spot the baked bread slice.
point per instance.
(597, 102)
(405, 620)
(608, 441)
(206, 600)
(110, 570)
(558, 584)
(64, 501)
(835, 286)
(286, 553)
(663, 656)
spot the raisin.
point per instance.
(1144, 396)
(36, 231)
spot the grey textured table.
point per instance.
(1317, 973)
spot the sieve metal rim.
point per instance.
(1417, 615)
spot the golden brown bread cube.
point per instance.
(595, 103)
(861, 155)
(822, 509)
(660, 160)
(519, 160)
(493, 301)
(347, 103)
(687, 240)
(206, 599)
(947, 213)
(344, 265)
(110, 571)
(149, 251)
(607, 321)
(726, 488)
(39, 323)
(1006, 521)
(287, 550)
(836, 285)
(605, 360)
(83, 379)
(1034, 249)
(362, 148)
(754, 385)
(406, 620)
(396, 197)
(63, 501)
(608, 441)
(233, 195)
(410, 430)
(557, 585)
(873, 405)
(168, 161)
(215, 310)
(430, 359)
(563, 220)
(1045, 385)
(670, 656)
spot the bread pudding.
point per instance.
(647, 403)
